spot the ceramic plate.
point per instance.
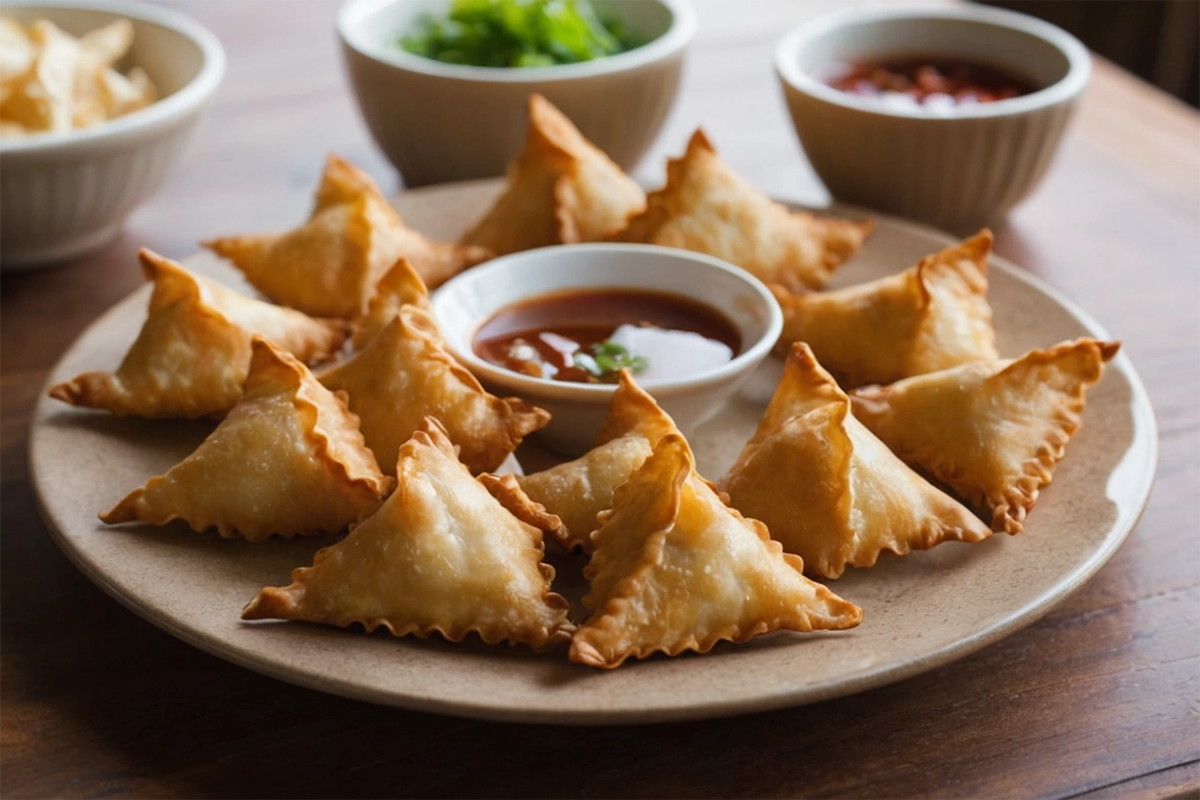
(919, 611)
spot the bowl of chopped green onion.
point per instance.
(442, 84)
(556, 326)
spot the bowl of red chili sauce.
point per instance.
(556, 325)
(948, 116)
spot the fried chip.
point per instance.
(993, 432)
(578, 490)
(927, 318)
(706, 207)
(561, 190)
(401, 285)
(828, 489)
(193, 352)
(676, 569)
(441, 554)
(405, 374)
(330, 265)
(288, 460)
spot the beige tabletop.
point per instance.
(1097, 699)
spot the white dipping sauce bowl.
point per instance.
(468, 300)
(440, 122)
(66, 194)
(958, 170)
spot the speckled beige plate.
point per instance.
(919, 611)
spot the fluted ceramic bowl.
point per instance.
(959, 170)
(441, 122)
(469, 299)
(66, 194)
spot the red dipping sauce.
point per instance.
(935, 84)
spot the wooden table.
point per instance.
(1101, 698)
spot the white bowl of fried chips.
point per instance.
(95, 115)
(440, 122)
(578, 410)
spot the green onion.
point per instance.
(607, 359)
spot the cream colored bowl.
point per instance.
(65, 194)
(470, 299)
(447, 122)
(959, 171)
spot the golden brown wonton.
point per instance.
(400, 285)
(579, 490)
(193, 352)
(561, 190)
(827, 489)
(676, 569)
(405, 374)
(930, 317)
(441, 554)
(287, 460)
(993, 432)
(706, 207)
(331, 264)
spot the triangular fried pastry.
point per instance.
(992, 432)
(441, 554)
(676, 569)
(288, 460)
(706, 207)
(193, 352)
(405, 374)
(400, 285)
(828, 489)
(330, 265)
(578, 490)
(927, 318)
(561, 190)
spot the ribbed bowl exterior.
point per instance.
(437, 129)
(958, 174)
(60, 202)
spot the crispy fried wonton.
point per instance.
(405, 374)
(561, 190)
(993, 432)
(288, 460)
(706, 207)
(441, 554)
(676, 569)
(828, 489)
(193, 352)
(927, 318)
(330, 265)
(401, 285)
(579, 490)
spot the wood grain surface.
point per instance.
(1101, 698)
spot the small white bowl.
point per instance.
(470, 299)
(959, 171)
(441, 122)
(65, 194)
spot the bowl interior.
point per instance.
(374, 27)
(1022, 52)
(463, 304)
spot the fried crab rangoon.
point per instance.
(706, 207)
(405, 373)
(330, 265)
(676, 569)
(440, 555)
(927, 318)
(561, 190)
(828, 489)
(193, 352)
(991, 431)
(399, 286)
(288, 460)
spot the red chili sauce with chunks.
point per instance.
(588, 335)
(931, 83)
